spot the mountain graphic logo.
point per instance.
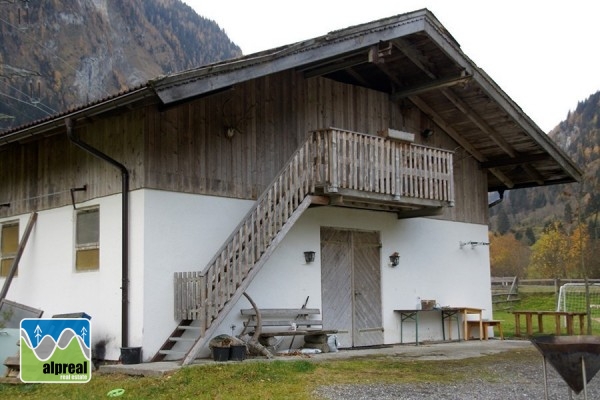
(56, 350)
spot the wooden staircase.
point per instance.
(356, 170)
(206, 297)
(175, 337)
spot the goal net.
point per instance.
(571, 297)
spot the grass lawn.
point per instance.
(545, 301)
(293, 379)
(275, 379)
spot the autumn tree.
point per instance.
(508, 256)
(559, 254)
(580, 254)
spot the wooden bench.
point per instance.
(486, 323)
(274, 319)
(570, 319)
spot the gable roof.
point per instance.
(412, 58)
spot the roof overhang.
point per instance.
(418, 63)
(414, 59)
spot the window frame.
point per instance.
(81, 248)
(8, 256)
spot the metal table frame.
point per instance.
(447, 313)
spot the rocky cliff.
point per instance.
(57, 54)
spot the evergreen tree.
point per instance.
(503, 224)
(530, 235)
(568, 214)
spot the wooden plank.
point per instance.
(281, 312)
(300, 332)
(286, 322)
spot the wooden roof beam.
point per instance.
(422, 63)
(499, 140)
(521, 159)
(534, 174)
(432, 85)
(328, 68)
(418, 58)
(481, 124)
(358, 77)
(458, 138)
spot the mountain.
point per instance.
(57, 54)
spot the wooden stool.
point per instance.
(486, 324)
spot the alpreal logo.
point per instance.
(56, 350)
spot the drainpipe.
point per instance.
(124, 227)
(498, 200)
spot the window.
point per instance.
(9, 244)
(87, 240)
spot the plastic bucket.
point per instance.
(131, 355)
(238, 353)
(221, 353)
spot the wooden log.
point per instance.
(253, 343)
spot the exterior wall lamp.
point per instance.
(309, 256)
(395, 259)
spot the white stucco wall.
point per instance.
(182, 232)
(169, 232)
(172, 232)
(432, 266)
(47, 278)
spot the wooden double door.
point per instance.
(351, 285)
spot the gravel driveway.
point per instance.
(505, 381)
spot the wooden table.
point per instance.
(447, 313)
(465, 311)
(569, 318)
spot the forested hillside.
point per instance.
(57, 54)
(555, 230)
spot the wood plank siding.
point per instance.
(186, 147)
(38, 175)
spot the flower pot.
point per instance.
(221, 353)
(238, 353)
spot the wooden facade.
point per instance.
(228, 144)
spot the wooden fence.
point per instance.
(510, 286)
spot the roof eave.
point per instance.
(198, 82)
(437, 33)
(91, 110)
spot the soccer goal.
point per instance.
(571, 297)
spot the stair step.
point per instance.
(13, 361)
(181, 339)
(197, 328)
(180, 353)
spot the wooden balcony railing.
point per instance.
(356, 161)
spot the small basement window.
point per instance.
(87, 240)
(9, 244)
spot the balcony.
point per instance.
(371, 172)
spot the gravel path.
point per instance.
(524, 382)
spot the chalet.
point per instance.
(160, 206)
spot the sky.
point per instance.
(545, 54)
